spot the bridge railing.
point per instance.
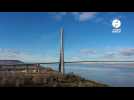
(36, 66)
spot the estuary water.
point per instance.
(113, 74)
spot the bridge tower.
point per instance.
(61, 63)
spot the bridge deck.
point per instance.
(25, 64)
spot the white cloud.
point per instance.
(74, 58)
(109, 55)
(79, 16)
(127, 51)
(13, 54)
(87, 51)
(85, 16)
(59, 15)
(119, 54)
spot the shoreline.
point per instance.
(47, 77)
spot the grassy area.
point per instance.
(45, 78)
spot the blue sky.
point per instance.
(34, 36)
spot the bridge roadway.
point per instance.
(64, 62)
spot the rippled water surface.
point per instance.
(112, 74)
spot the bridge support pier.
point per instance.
(61, 64)
(37, 67)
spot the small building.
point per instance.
(16, 65)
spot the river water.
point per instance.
(116, 75)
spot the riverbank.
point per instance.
(45, 78)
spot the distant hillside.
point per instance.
(8, 62)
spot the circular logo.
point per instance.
(116, 23)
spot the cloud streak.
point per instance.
(87, 52)
(83, 16)
(78, 16)
(117, 54)
(86, 16)
(59, 15)
(14, 54)
(120, 54)
(127, 52)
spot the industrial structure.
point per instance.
(61, 63)
(18, 65)
(15, 65)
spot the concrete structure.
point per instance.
(61, 63)
(26, 67)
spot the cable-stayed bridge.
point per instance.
(39, 63)
(61, 62)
